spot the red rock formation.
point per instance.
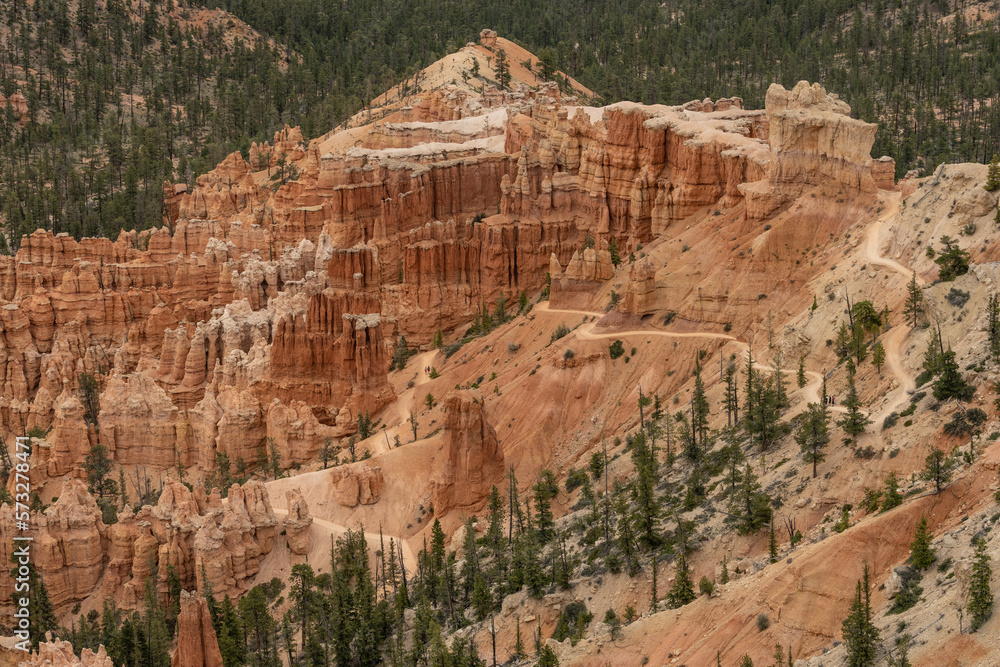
(474, 457)
(356, 484)
(268, 308)
(76, 553)
(68, 549)
(297, 522)
(197, 645)
(815, 140)
(59, 653)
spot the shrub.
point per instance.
(617, 349)
(909, 593)
(450, 350)
(560, 331)
(706, 586)
(890, 420)
(568, 354)
(957, 297)
(575, 480)
(763, 622)
(963, 423)
(845, 520)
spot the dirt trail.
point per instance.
(875, 229)
(810, 392)
(893, 341)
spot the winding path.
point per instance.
(893, 341)
(586, 332)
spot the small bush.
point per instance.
(513, 347)
(450, 350)
(969, 228)
(865, 453)
(575, 480)
(963, 423)
(890, 420)
(560, 331)
(617, 349)
(763, 622)
(568, 354)
(706, 586)
(910, 592)
(957, 297)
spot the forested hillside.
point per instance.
(123, 94)
(927, 71)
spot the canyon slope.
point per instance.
(260, 327)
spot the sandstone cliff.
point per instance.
(197, 645)
(205, 539)
(475, 460)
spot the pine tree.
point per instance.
(937, 469)
(993, 324)
(813, 435)
(731, 395)
(98, 466)
(654, 591)
(993, 174)
(682, 590)
(545, 490)
(699, 405)
(914, 299)
(547, 657)
(921, 553)
(644, 490)
(890, 495)
(724, 578)
(800, 376)
(326, 451)
(878, 357)
(750, 506)
(616, 259)
(501, 67)
(980, 594)
(854, 421)
(842, 345)
(953, 261)
(495, 541)
(772, 544)
(860, 634)
(519, 652)
(950, 383)
(626, 539)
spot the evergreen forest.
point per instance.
(125, 94)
